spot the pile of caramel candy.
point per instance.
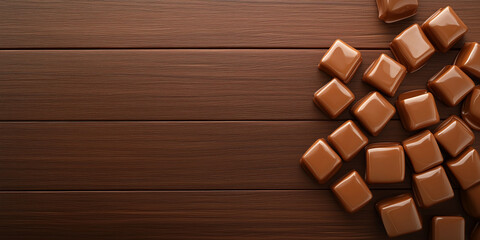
(385, 162)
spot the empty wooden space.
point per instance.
(209, 23)
(187, 119)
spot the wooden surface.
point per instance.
(186, 119)
(209, 23)
(284, 214)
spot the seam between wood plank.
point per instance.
(188, 48)
(186, 121)
(182, 190)
(196, 48)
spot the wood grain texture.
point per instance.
(167, 155)
(204, 24)
(138, 120)
(305, 214)
(178, 84)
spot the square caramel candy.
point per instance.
(385, 163)
(373, 111)
(471, 200)
(399, 215)
(348, 140)
(466, 168)
(333, 98)
(451, 85)
(468, 59)
(423, 151)
(471, 109)
(412, 48)
(444, 28)
(321, 161)
(432, 187)
(341, 61)
(417, 109)
(448, 228)
(454, 135)
(385, 74)
(391, 11)
(352, 192)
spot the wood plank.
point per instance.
(168, 155)
(177, 84)
(306, 214)
(196, 23)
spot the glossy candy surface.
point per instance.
(412, 48)
(321, 161)
(423, 151)
(395, 10)
(385, 163)
(374, 112)
(454, 135)
(399, 215)
(466, 168)
(471, 200)
(448, 228)
(444, 28)
(352, 192)
(432, 187)
(471, 109)
(333, 98)
(417, 109)
(348, 140)
(451, 85)
(341, 61)
(468, 59)
(385, 74)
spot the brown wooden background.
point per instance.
(185, 119)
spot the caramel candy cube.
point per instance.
(471, 201)
(341, 61)
(333, 98)
(468, 59)
(373, 111)
(348, 140)
(451, 85)
(399, 215)
(385, 163)
(321, 161)
(385, 74)
(417, 109)
(412, 48)
(432, 187)
(466, 168)
(395, 10)
(454, 135)
(352, 192)
(444, 28)
(448, 228)
(423, 151)
(471, 109)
